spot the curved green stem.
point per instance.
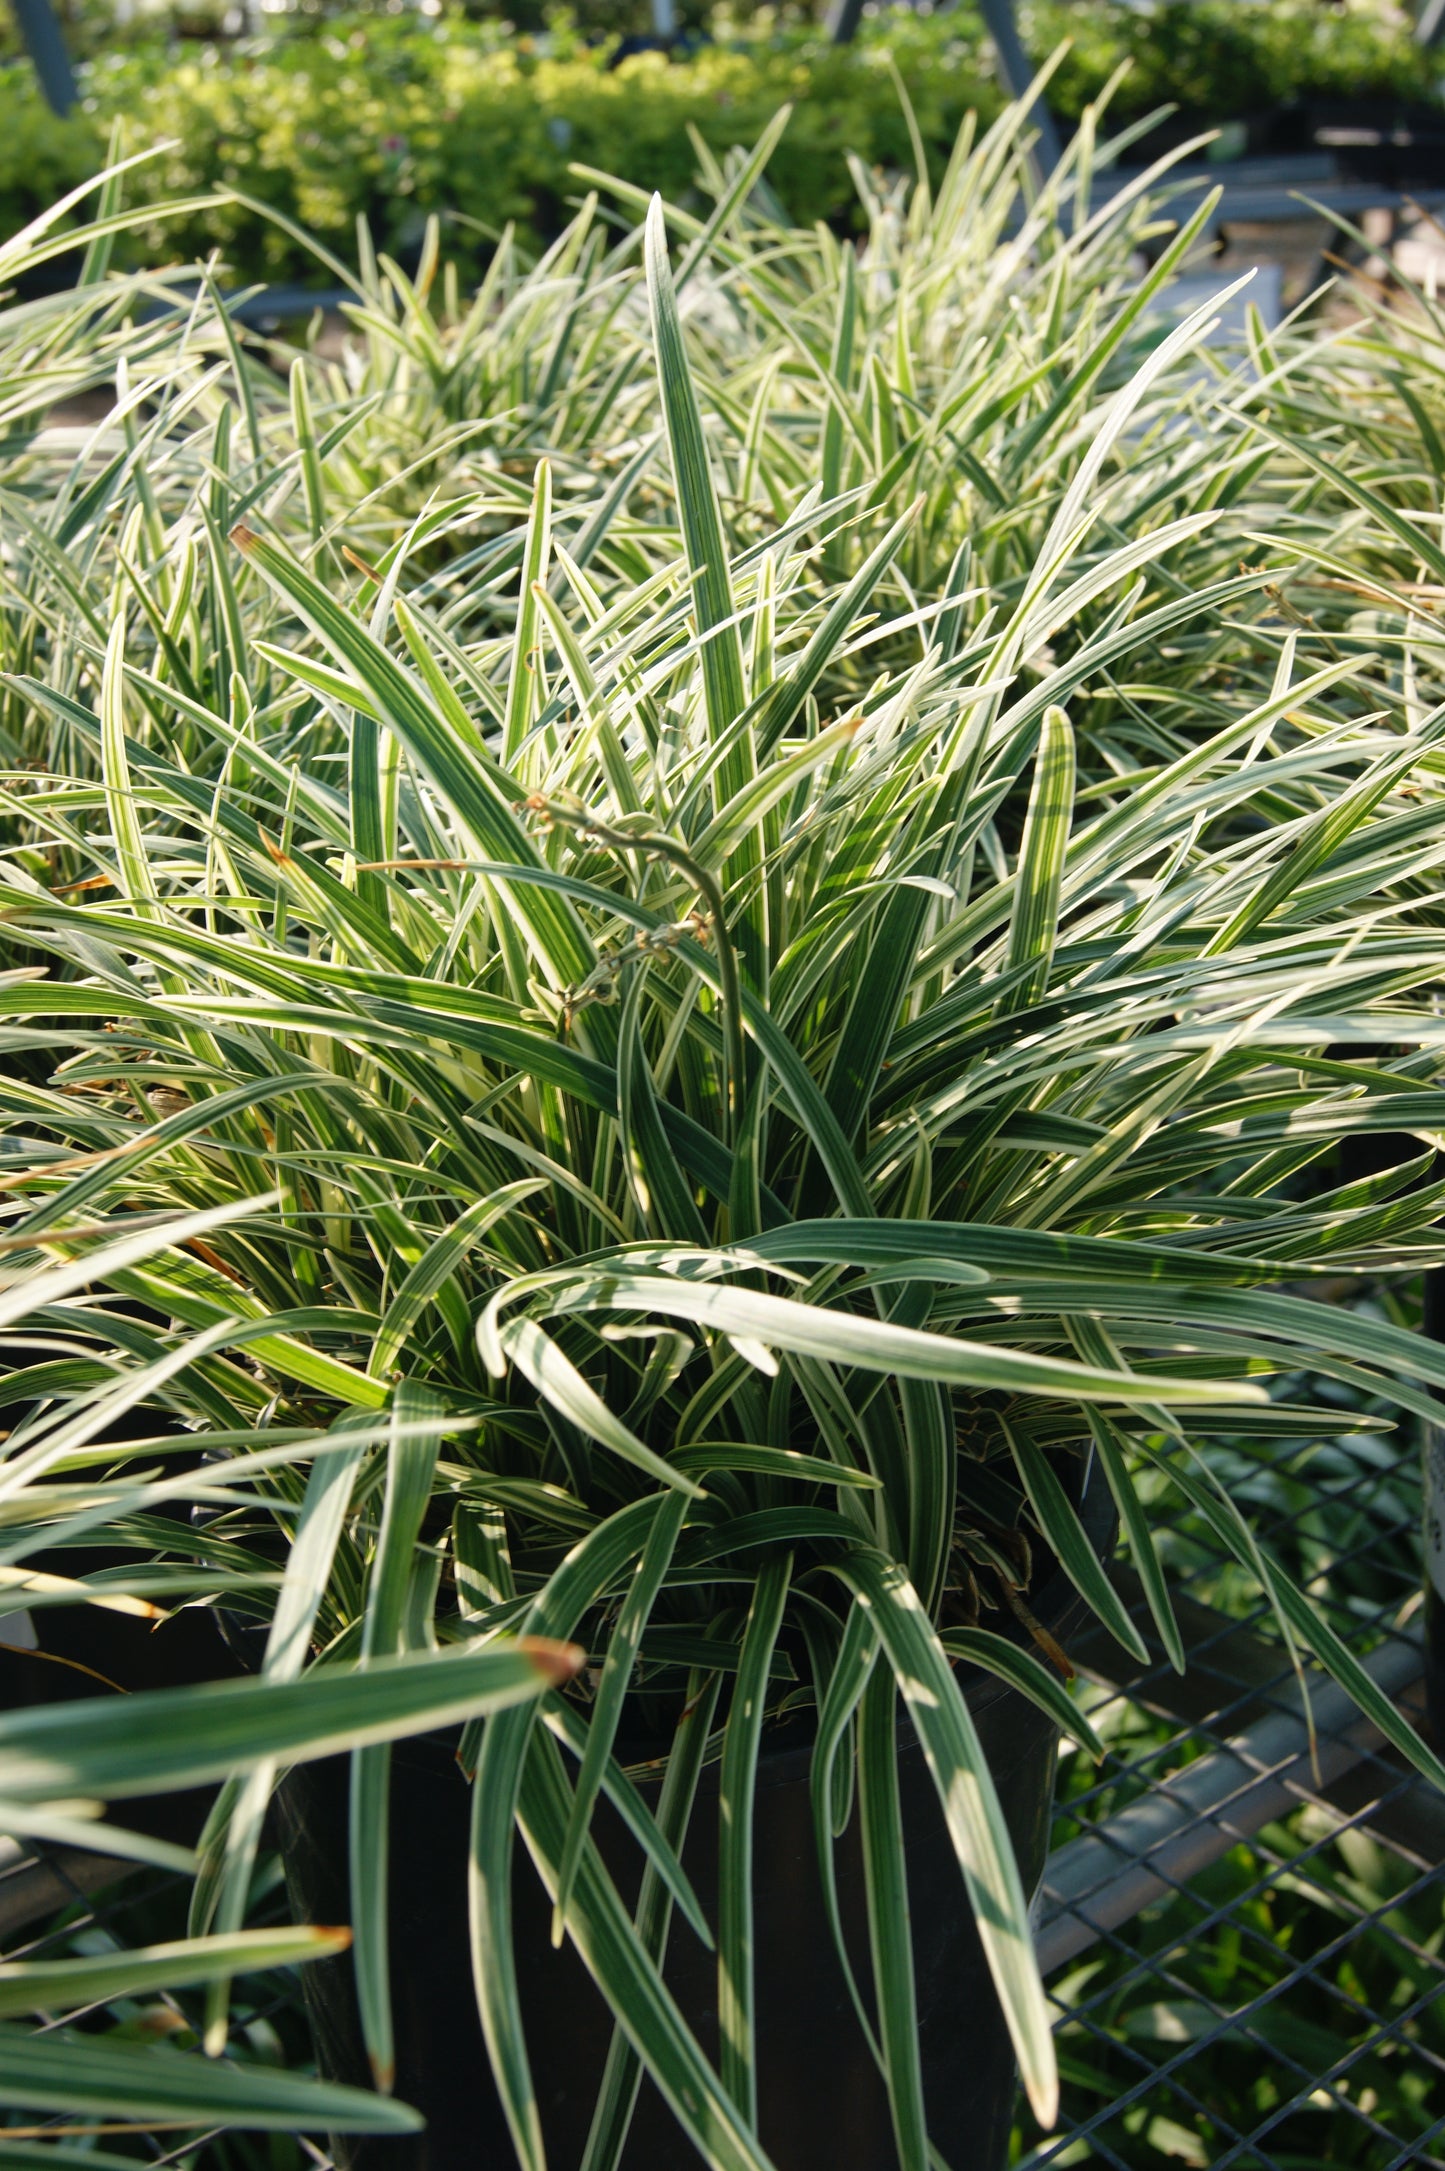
(658, 845)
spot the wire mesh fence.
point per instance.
(1277, 1999)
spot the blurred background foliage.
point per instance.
(387, 114)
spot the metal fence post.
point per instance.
(1017, 72)
(45, 43)
(844, 16)
(843, 19)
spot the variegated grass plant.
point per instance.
(658, 1073)
(955, 365)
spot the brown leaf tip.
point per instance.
(355, 558)
(559, 1661)
(243, 537)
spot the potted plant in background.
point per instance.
(727, 1127)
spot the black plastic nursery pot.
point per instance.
(822, 2104)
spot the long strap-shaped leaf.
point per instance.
(417, 1421)
(852, 1671)
(839, 383)
(308, 1571)
(1411, 535)
(521, 702)
(304, 430)
(462, 1013)
(623, 2075)
(1057, 1519)
(1322, 836)
(1300, 1615)
(469, 1023)
(601, 1930)
(875, 1345)
(632, 1620)
(658, 1185)
(211, 1114)
(1395, 1355)
(1046, 1252)
(734, 196)
(33, 1986)
(592, 703)
(556, 1378)
(30, 1291)
(880, 985)
(436, 1266)
(885, 1872)
(724, 681)
(627, 1800)
(1022, 1671)
(66, 2071)
(786, 698)
(928, 1423)
(95, 1421)
(724, 684)
(186, 1288)
(1140, 1535)
(1092, 1341)
(55, 2156)
(158, 1740)
(1034, 925)
(132, 859)
(735, 2001)
(592, 1569)
(478, 793)
(970, 1807)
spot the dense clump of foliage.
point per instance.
(389, 118)
(674, 931)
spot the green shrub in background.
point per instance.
(1220, 59)
(390, 127)
(41, 156)
(390, 118)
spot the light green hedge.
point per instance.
(392, 119)
(363, 120)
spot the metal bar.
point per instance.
(35, 1885)
(1017, 71)
(1014, 66)
(1259, 191)
(1145, 1852)
(842, 21)
(45, 43)
(1303, 1971)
